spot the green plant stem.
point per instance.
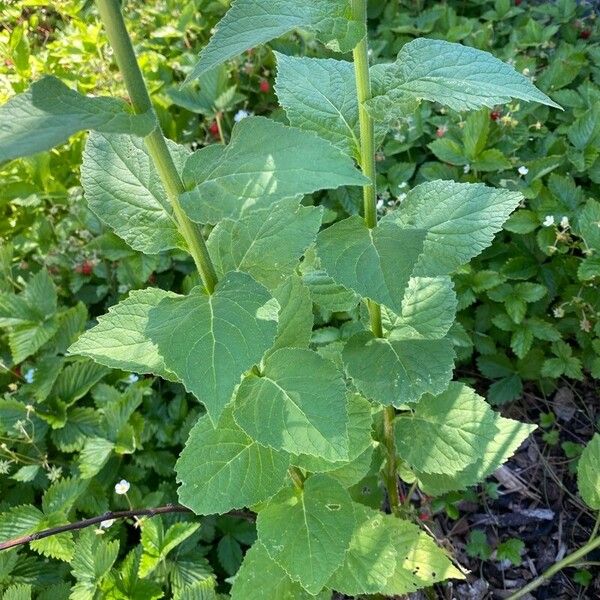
(567, 561)
(297, 477)
(156, 144)
(367, 164)
(360, 55)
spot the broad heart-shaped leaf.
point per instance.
(419, 561)
(49, 112)
(320, 95)
(307, 532)
(456, 76)
(118, 340)
(249, 23)
(497, 451)
(124, 190)
(260, 577)
(393, 372)
(298, 404)
(264, 161)
(588, 473)
(371, 557)
(210, 341)
(376, 263)
(267, 243)
(428, 310)
(445, 433)
(359, 438)
(461, 220)
(221, 468)
(296, 319)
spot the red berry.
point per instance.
(423, 516)
(214, 129)
(265, 86)
(584, 34)
(85, 268)
(440, 132)
(495, 115)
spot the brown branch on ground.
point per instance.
(109, 516)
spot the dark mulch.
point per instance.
(537, 503)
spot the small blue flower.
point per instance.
(28, 376)
(132, 378)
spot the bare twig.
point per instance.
(108, 516)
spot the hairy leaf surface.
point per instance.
(210, 341)
(460, 219)
(376, 263)
(445, 433)
(249, 23)
(124, 190)
(393, 372)
(457, 76)
(307, 532)
(265, 161)
(49, 112)
(119, 340)
(266, 243)
(221, 468)
(298, 404)
(588, 473)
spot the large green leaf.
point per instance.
(119, 341)
(264, 161)
(420, 563)
(320, 95)
(497, 451)
(296, 318)
(123, 188)
(210, 341)
(249, 23)
(307, 532)
(297, 404)
(371, 557)
(49, 113)
(393, 372)
(428, 310)
(376, 263)
(221, 468)
(261, 578)
(460, 219)
(267, 243)
(445, 433)
(588, 473)
(456, 76)
(359, 438)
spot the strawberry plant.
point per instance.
(300, 424)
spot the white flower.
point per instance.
(466, 168)
(28, 377)
(380, 204)
(132, 378)
(240, 114)
(122, 487)
(564, 222)
(548, 221)
(402, 185)
(526, 71)
(523, 170)
(401, 197)
(558, 312)
(106, 524)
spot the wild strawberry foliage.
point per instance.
(289, 431)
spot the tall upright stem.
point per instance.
(367, 164)
(112, 18)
